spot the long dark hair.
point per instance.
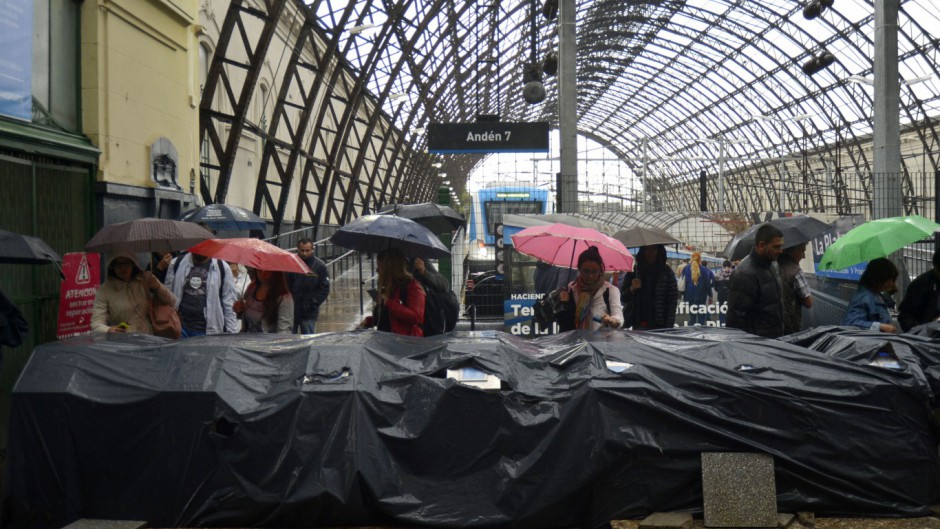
(277, 287)
(394, 273)
(877, 272)
(593, 255)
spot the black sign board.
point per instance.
(492, 136)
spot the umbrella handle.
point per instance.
(59, 268)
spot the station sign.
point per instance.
(487, 136)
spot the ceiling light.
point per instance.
(816, 8)
(396, 97)
(417, 130)
(355, 30)
(437, 165)
(858, 79)
(798, 117)
(818, 63)
(917, 80)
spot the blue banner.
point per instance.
(16, 58)
(841, 226)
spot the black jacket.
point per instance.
(754, 302)
(920, 301)
(653, 306)
(309, 292)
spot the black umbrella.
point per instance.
(374, 233)
(796, 231)
(639, 236)
(435, 217)
(225, 217)
(16, 248)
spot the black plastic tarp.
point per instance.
(363, 428)
(864, 347)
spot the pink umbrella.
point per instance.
(252, 252)
(560, 245)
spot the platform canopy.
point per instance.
(679, 82)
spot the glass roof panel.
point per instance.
(688, 68)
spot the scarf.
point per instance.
(584, 293)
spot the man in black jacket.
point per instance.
(754, 300)
(922, 300)
(309, 291)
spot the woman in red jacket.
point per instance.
(399, 306)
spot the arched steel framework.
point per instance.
(363, 79)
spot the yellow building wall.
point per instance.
(139, 83)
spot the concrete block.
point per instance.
(88, 523)
(667, 520)
(738, 490)
(806, 518)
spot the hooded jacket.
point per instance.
(119, 301)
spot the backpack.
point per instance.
(543, 312)
(438, 310)
(723, 285)
(451, 309)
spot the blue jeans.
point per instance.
(186, 333)
(305, 326)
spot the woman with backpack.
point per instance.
(590, 301)
(399, 304)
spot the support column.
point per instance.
(646, 178)
(721, 174)
(886, 179)
(568, 107)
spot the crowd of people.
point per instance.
(763, 294)
(209, 295)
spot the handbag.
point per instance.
(165, 320)
(680, 284)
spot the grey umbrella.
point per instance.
(640, 236)
(796, 231)
(148, 235)
(437, 218)
(374, 233)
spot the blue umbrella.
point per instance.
(374, 233)
(225, 217)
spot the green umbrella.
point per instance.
(877, 238)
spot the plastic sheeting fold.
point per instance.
(363, 428)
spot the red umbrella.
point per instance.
(255, 253)
(560, 245)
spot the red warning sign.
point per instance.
(77, 293)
